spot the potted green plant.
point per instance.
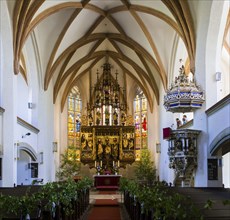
(70, 164)
(145, 171)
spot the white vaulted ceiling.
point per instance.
(76, 37)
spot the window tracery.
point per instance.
(74, 105)
(140, 118)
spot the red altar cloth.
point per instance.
(107, 181)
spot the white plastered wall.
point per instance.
(15, 95)
(209, 32)
(8, 98)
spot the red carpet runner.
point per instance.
(105, 209)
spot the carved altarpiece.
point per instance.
(107, 145)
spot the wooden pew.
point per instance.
(211, 198)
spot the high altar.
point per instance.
(106, 181)
(107, 137)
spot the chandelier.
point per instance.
(107, 105)
(183, 95)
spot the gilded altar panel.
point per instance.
(107, 144)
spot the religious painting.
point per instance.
(87, 147)
(107, 148)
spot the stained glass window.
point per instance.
(74, 118)
(140, 119)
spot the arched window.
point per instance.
(74, 117)
(140, 118)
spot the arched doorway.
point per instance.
(27, 164)
(220, 146)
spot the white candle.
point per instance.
(118, 163)
(113, 163)
(95, 163)
(101, 163)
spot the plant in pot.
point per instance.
(70, 164)
(145, 171)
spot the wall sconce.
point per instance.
(41, 157)
(27, 134)
(218, 76)
(158, 147)
(55, 146)
(30, 105)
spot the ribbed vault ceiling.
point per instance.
(76, 37)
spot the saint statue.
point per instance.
(98, 117)
(115, 118)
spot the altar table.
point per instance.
(106, 181)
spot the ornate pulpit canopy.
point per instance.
(183, 95)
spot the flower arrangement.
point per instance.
(98, 169)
